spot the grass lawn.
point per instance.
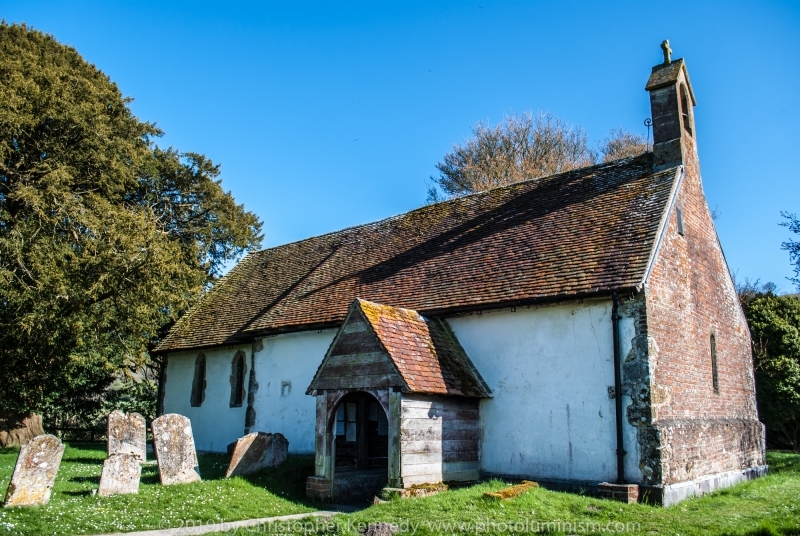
(766, 506)
(74, 510)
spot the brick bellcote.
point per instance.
(672, 108)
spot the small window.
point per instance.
(714, 373)
(679, 219)
(237, 380)
(199, 381)
(685, 112)
(346, 421)
(340, 420)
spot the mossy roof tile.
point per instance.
(587, 231)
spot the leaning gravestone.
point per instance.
(256, 451)
(120, 476)
(127, 434)
(174, 445)
(35, 472)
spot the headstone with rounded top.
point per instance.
(120, 476)
(256, 451)
(174, 446)
(127, 434)
(35, 471)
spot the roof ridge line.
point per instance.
(617, 162)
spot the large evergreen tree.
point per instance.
(104, 238)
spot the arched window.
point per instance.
(199, 381)
(237, 380)
(686, 113)
(714, 373)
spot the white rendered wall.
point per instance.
(214, 423)
(294, 358)
(549, 369)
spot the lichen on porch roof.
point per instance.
(425, 351)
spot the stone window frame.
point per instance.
(238, 373)
(714, 363)
(199, 381)
(686, 111)
(679, 219)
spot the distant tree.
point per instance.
(775, 329)
(105, 239)
(793, 246)
(750, 290)
(524, 146)
(621, 144)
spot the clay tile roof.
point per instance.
(587, 231)
(425, 351)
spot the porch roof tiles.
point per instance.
(425, 351)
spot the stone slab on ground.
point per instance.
(175, 452)
(35, 471)
(127, 434)
(120, 476)
(511, 492)
(256, 451)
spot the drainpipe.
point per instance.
(615, 318)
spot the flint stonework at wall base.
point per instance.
(675, 493)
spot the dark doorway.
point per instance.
(361, 447)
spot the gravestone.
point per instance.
(120, 476)
(256, 451)
(35, 471)
(174, 446)
(127, 434)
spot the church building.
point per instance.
(579, 330)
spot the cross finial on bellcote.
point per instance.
(667, 51)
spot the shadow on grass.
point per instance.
(85, 445)
(288, 480)
(768, 530)
(781, 461)
(78, 493)
(87, 461)
(213, 466)
(150, 478)
(86, 479)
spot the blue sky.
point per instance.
(325, 115)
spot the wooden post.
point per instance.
(333, 461)
(395, 411)
(322, 458)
